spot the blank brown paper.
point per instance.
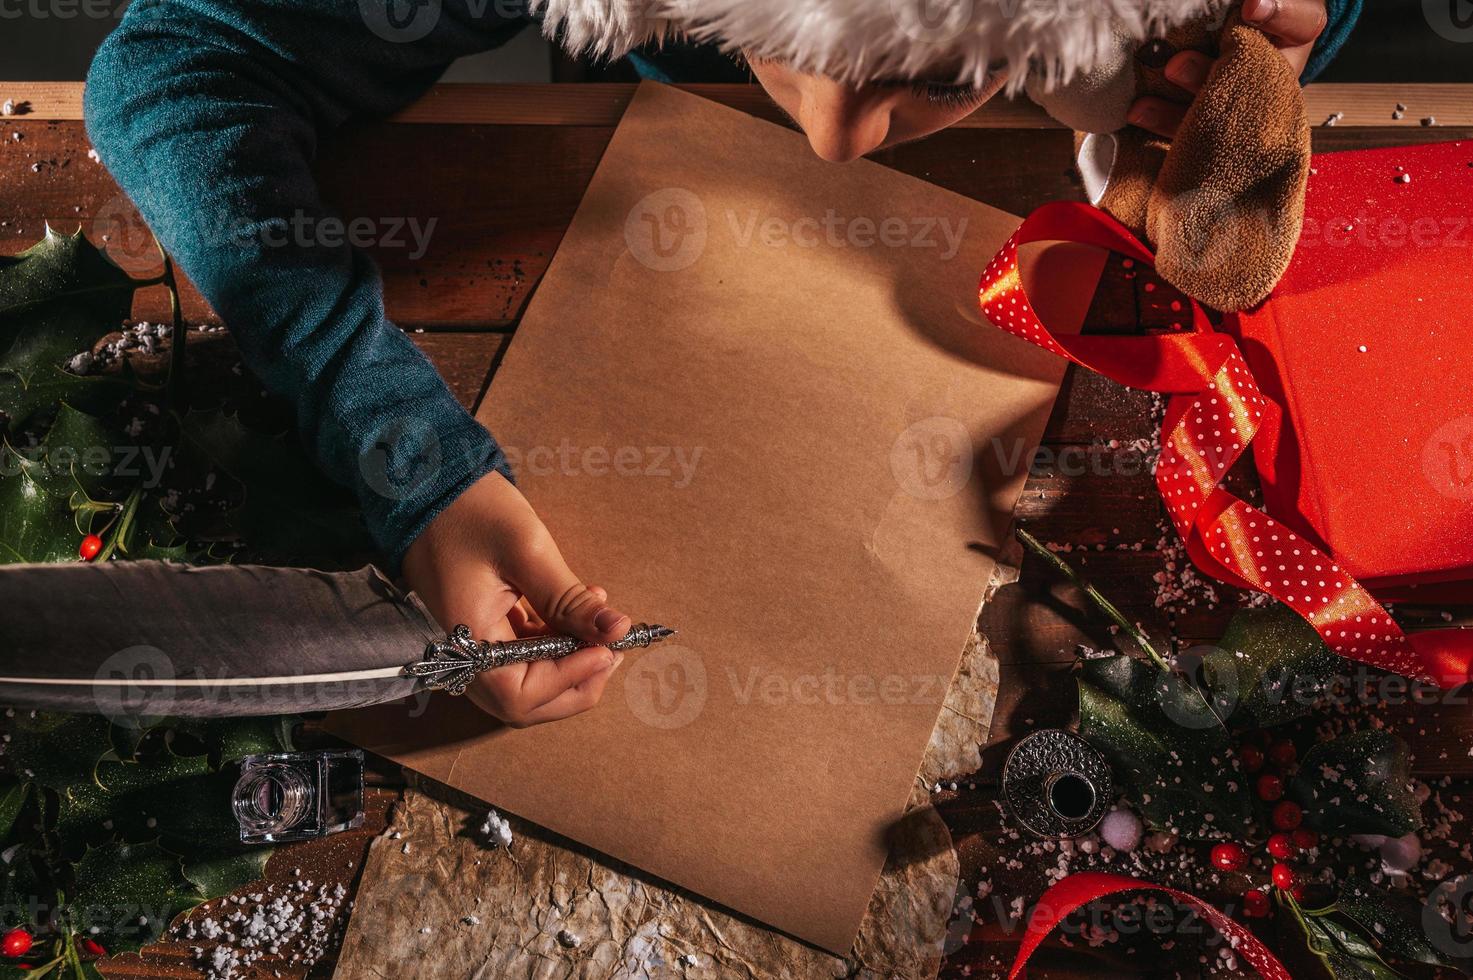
(755, 399)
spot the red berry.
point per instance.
(1229, 856)
(1283, 876)
(1270, 787)
(1281, 847)
(1282, 754)
(89, 946)
(1255, 904)
(1305, 839)
(17, 942)
(91, 547)
(1251, 757)
(1287, 815)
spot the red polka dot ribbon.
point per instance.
(1214, 413)
(1078, 890)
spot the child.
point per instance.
(209, 111)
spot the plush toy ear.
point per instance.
(1228, 206)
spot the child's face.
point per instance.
(844, 122)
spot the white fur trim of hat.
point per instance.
(1042, 41)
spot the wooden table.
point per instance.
(502, 169)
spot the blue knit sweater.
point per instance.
(209, 113)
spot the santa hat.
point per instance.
(858, 40)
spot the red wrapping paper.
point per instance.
(1367, 345)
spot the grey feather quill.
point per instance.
(148, 639)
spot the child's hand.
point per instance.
(473, 563)
(1293, 26)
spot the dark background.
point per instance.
(1396, 41)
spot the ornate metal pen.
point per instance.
(451, 663)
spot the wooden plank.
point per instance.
(1361, 105)
(464, 360)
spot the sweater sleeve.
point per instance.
(1342, 17)
(208, 113)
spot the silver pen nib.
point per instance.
(641, 635)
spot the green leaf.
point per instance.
(1395, 923)
(130, 892)
(40, 490)
(56, 750)
(221, 874)
(290, 511)
(1347, 953)
(228, 740)
(57, 299)
(25, 896)
(1160, 738)
(1357, 784)
(1272, 665)
(11, 804)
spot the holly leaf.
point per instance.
(56, 750)
(40, 490)
(25, 897)
(1398, 924)
(129, 892)
(290, 511)
(1161, 737)
(1339, 944)
(156, 795)
(1272, 665)
(1357, 784)
(221, 874)
(57, 299)
(11, 805)
(228, 740)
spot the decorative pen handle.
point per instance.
(450, 664)
(555, 647)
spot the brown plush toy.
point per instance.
(1223, 203)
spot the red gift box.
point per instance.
(1367, 346)
(1349, 386)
